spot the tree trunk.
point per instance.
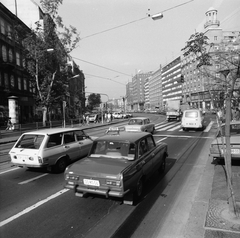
(228, 160)
(44, 113)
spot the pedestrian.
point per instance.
(237, 115)
(220, 114)
(87, 120)
(9, 124)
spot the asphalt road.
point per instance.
(34, 203)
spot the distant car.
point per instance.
(117, 166)
(54, 147)
(117, 115)
(216, 148)
(192, 119)
(140, 124)
(94, 117)
(127, 115)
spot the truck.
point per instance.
(173, 110)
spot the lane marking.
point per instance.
(2, 223)
(175, 128)
(203, 137)
(209, 126)
(32, 179)
(161, 140)
(9, 170)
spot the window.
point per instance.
(18, 58)
(80, 135)
(2, 26)
(4, 53)
(6, 80)
(19, 83)
(54, 140)
(24, 84)
(143, 147)
(9, 32)
(215, 37)
(150, 142)
(10, 54)
(12, 81)
(69, 137)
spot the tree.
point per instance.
(220, 65)
(94, 100)
(49, 70)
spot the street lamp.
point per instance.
(157, 16)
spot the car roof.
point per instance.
(142, 118)
(232, 123)
(124, 136)
(50, 131)
(193, 109)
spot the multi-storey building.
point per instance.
(15, 83)
(138, 82)
(146, 94)
(16, 100)
(129, 97)
(155, 90)
(199, 87)
(171, 81)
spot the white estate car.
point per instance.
(54, 147)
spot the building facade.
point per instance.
(171, 81)
(16, 100)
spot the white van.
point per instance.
(192, 119)
(54, 147)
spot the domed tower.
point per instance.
(211, 18)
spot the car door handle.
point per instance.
(80, 143)
(66, 146)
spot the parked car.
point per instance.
(117, 166)
(216, 148)
(140, 124)
(192, 119)
(54, 147)
(117, 115)
(94, 117)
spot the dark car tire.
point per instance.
(60, 166)
(153, 130)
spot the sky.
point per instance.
(110, 55)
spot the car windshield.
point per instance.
(234, 130)
(30, 141)
(113, 149)
(135, 122)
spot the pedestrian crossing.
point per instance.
(176, 126)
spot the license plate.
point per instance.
(22, 157)
(91, 182)
(234, 151)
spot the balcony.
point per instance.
(210, 22)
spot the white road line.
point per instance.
(183, 136)
(209, 126)
(157, 127)
(9, 170)
(32, 179)
(165, 128)
(161, 139)
(2, 223)
(175, 128)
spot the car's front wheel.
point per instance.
(60, 166)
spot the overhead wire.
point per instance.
(128, 23)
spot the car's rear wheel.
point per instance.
(60, 166)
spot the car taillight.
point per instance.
(71, 177)
(113, 182)
(40, 160)
(31, 158)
